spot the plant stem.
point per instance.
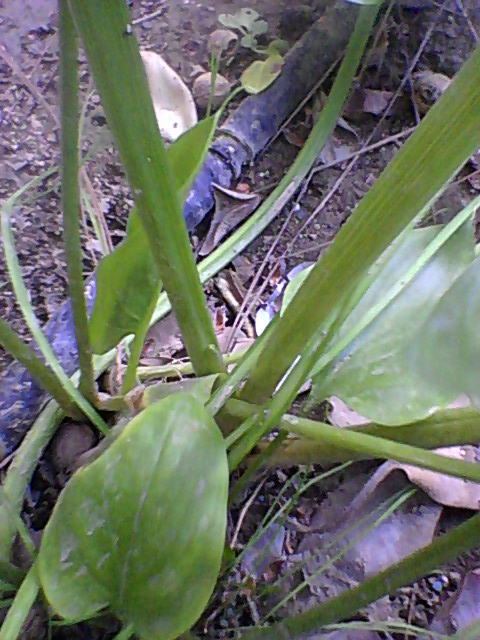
(70, 195)
(355, 443)
(27, 311)
(117, 67)
(137, 345)
(42, 374)
(20, 607)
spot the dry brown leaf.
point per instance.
(231, 208)
(445, 490)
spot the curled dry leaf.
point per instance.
(429, 86)
(201, 89)
(173, 103)
(445, 490)
(221, 40)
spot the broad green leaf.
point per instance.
(446, 350)
(375, 374)
(187, 154)
(141, 530)
(261, 73)
(128, 279)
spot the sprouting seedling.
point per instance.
(247, 21)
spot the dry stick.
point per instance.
(469, 22)
(243, 513)
(345, 173)
(377, 37)
(40, 98)
(149, 16)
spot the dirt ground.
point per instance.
(179, 30)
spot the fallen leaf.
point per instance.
(261, 73)
(173, 103)
(461, 609)
(363, 100)
(340, 414)
(264, 551)
(445, 490)
(334, 151)
(231, 208)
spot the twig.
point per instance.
(150, 16)
(346, 172)
(473, 31)
(243, 513)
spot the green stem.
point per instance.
(27, 311)
(19, 524)
(70, 195)
(356, 443)
(445, 428)
(20, 607)
(214, 66)
(126, 633)
(117, 67)
(137, 345)
(11, 574)
(42, 374)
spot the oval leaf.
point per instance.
(141, 530)
(261, 73)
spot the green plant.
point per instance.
(247, 21)
(140, 531)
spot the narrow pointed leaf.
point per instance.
(127, 280)
(415, 176)
(117, 69)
